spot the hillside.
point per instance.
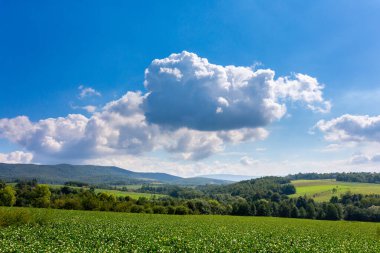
(228, 177)
(61, 173)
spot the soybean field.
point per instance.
(91, 231)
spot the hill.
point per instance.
(228, 177)
(92, 174)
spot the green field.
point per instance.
(86, 231)
(134, 195)
(119, 193)
(322, 190)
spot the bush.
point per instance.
(137, 209)
(182, 210)
(12, 216)
(17, 217)
(160, 210)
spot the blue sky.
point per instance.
(49, 49)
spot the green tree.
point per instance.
(41, 196)
(302, 213)
(7, 196)
(334, 199)
(294, 213)
(263, 208)
(332, 212)
(284, 209)
(310, 211)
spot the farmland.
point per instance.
(134, 195)
(323, 190)
(118, 193)
(86, 231)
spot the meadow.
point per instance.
(118, 193)
(323, 190)
(90, 231)
(134, 195)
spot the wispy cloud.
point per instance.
(87, 92)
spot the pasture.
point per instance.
(118, 193)
(90, 231)
(323, 190)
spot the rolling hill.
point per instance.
(228, 177)
(92, 174)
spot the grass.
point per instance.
(323, 190)
(119, 193)
(134, 195)
(86, 231)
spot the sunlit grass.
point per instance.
(323, 190)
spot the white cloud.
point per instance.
(359, 159)
(16, 157)
(89, 108)
(178, 113)
(247, 161)
(364, 158)
(261, 149)
(119, 128)
(185, 90)
(351, 128)
(87, 92)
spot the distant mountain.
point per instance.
(92, 174)
(201, 181)
(228, 177)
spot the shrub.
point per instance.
(18, 217)
(159, 209)
(12, 216)
(181, 210)
(137, 209)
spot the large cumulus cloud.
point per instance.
(187, 91)
(191, 108)
(119, 128)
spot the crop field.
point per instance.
(134, 195)
(119, 193)
(323, 190)
(86, 231)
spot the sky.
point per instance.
(192, 87)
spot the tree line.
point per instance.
(358, 177)
(258, 197)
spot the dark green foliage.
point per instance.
(74, 183)
(310, 210)
(91, 174)
(302, 213)
(312, 176)
(294, 213)
(360, 177)
(263, 208)
(332, 212)
(241, 207)
(284, 209)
